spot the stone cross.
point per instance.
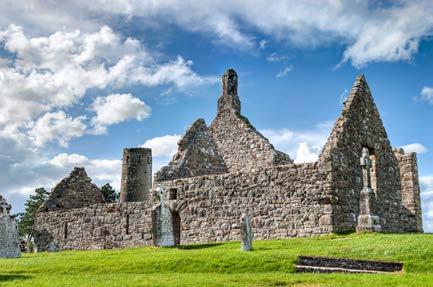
(5, 207)
(160, 192)
(246, 233)
(366, 220)
(9, 238)
(366, 165)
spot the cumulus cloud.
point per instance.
(53, 72)
(415, 147)
(302, 146)
(57, 127)
(163, 149)
(370, 30)
(163, 145)
(427, 94)
(116, 108)
(284, 72)
(24, 167)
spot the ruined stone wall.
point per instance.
(239, 143)
(283, 201)
(197, 155)
(136, 180)
(101, 226)
(74, 191)
(360, 126)
(410, 191)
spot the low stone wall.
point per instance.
(282, 201)
(100, 226)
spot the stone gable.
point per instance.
(197, 155)
(75, 191)
(358, 126)
(240, 144)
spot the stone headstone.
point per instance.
(163, 223)
(246, 233)
(9, 238)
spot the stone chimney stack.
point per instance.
(229, 101)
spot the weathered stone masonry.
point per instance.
(100, 226)
(229, 168)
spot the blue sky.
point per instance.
(80, 81)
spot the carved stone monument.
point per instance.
(366, 220)
(246, 233)
(9, 238)
(163, 222)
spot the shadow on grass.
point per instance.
(198, 246)
(13, 277)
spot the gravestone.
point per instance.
(246, 233)
(366, 220)
(166, 225)
(9, 238)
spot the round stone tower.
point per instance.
(136, 179)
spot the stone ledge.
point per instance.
(330, 265)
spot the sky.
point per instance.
(81, 80)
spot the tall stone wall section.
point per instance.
(360, 126)
(240, 144)
(136, 180)
(410, 191)
(101, 226)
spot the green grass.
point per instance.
(271, 263)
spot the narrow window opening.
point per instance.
(66, 230)
(172, 194)
(139, 158)
(148, 159)
(127, 158)
(373, 172)
(127, 224)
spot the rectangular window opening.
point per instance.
(173, 194)
(127, 224)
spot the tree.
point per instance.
(26, 220)
(109, 193)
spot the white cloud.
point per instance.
(426, 183)
(99, 170)
(284, 71)
(370, 30)
(53, 72)
(427, 94)
(24, 167)
(116, 108)
(163, 145)
(275, 57)
(56, 127)
(305, 153)
(163, 149)
(415, 147)
(302, 146)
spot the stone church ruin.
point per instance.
(227, 169)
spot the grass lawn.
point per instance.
(271, 263)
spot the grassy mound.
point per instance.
(271, 263)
